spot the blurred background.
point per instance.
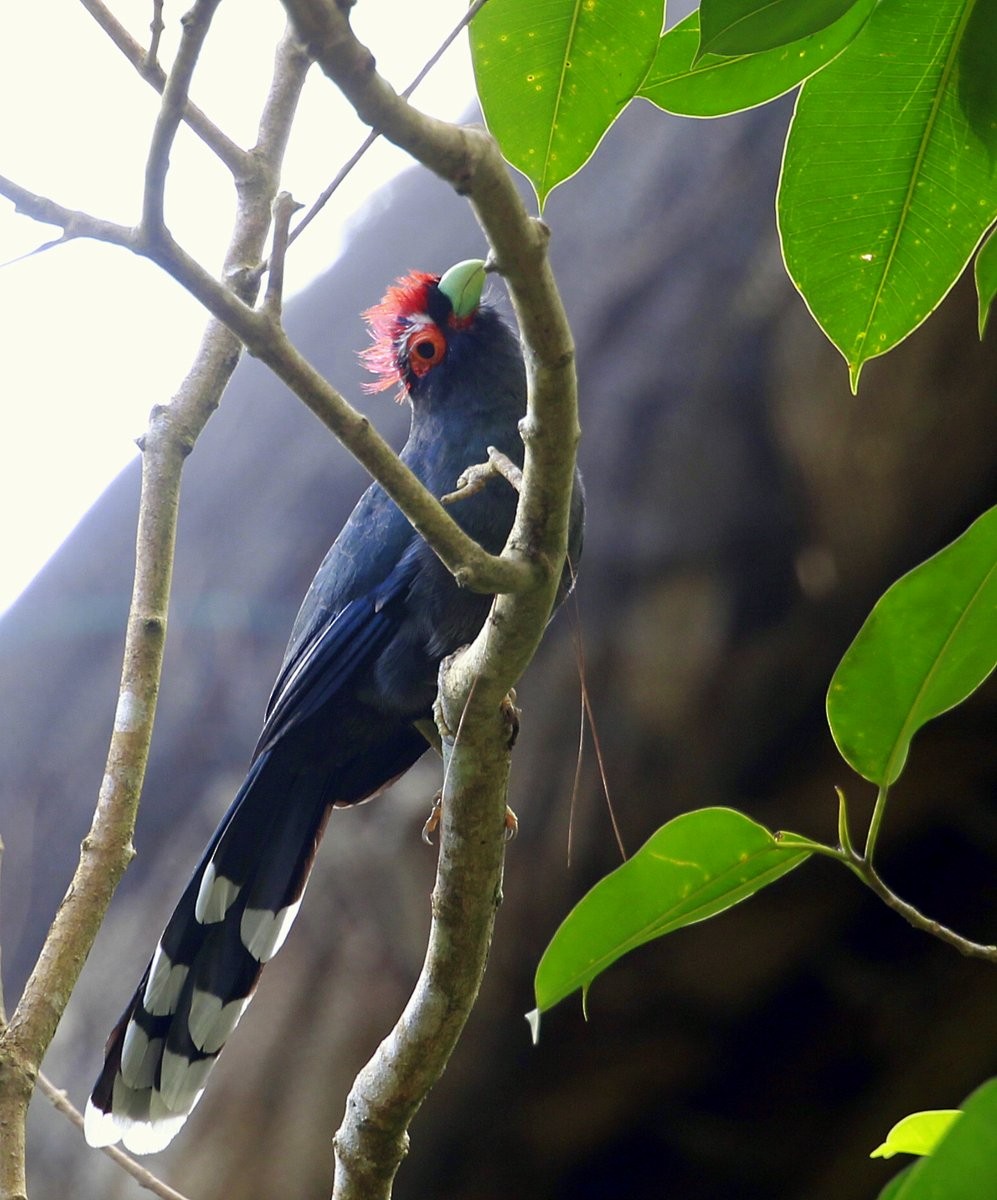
(745, 511)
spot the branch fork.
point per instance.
(473, 684)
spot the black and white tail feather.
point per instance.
(244, 895)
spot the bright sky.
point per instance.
(90, 337)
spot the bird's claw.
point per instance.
(511, 823)
(433, 820)
(511, 714)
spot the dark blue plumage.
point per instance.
(359, 670)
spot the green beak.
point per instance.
(462, 286)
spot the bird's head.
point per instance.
(431, 329)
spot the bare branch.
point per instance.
(71, 221)
(390, 1089)
(919, 921)
(471, 566)
(156, 28)
(233, 156)
(195, 29)
(475, 478)
(284, 208)
(469, 159)
(172, 431)
(374, 1134)
(326, 195)
(143, 1176)
(503, 465)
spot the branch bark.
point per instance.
(473, 720)
(172, 431)
(373, 1137)
(233, 156)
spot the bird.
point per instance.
(352, 699)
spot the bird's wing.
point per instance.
(338, 646)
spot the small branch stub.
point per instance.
(284, 207)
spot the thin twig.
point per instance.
(505, 467)
(156, 28)
(862, 868)
(195, 29)
(596, 742)
(473, 479)
(575, 783)
(51, 244)
(140, 1174)
(913, 916)
(470, 565)
(470, 482)
(283, 209)
(232, 155)
(73, 222)
(326, 195)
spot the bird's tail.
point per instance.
(232, 918)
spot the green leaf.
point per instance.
(963, 1165)
(919, 1133)
(929, 642)
(749, 26)
(697, 865)
(885, 189)
(552, 77)
(985, 270)
(977, 73)
(716, 85)
(892, 1189)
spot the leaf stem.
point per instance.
(844, 831)
(878, 813)
(861, 866)
(865, 871)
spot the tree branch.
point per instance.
(323, 198)
(388, 1092)
(196, 24)
(913, 916)
(107, 848)
(473, 683)
(470, 565)
(233, 156)
(144, 1177)
(469, 159)
(71, 221)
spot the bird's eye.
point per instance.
(426, 348)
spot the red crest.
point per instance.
(388, 321)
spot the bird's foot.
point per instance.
(511, 824)
(511, 714)
(433, 820)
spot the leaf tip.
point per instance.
(533, 1020)
(854, 371)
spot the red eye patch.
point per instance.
(425, 347)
